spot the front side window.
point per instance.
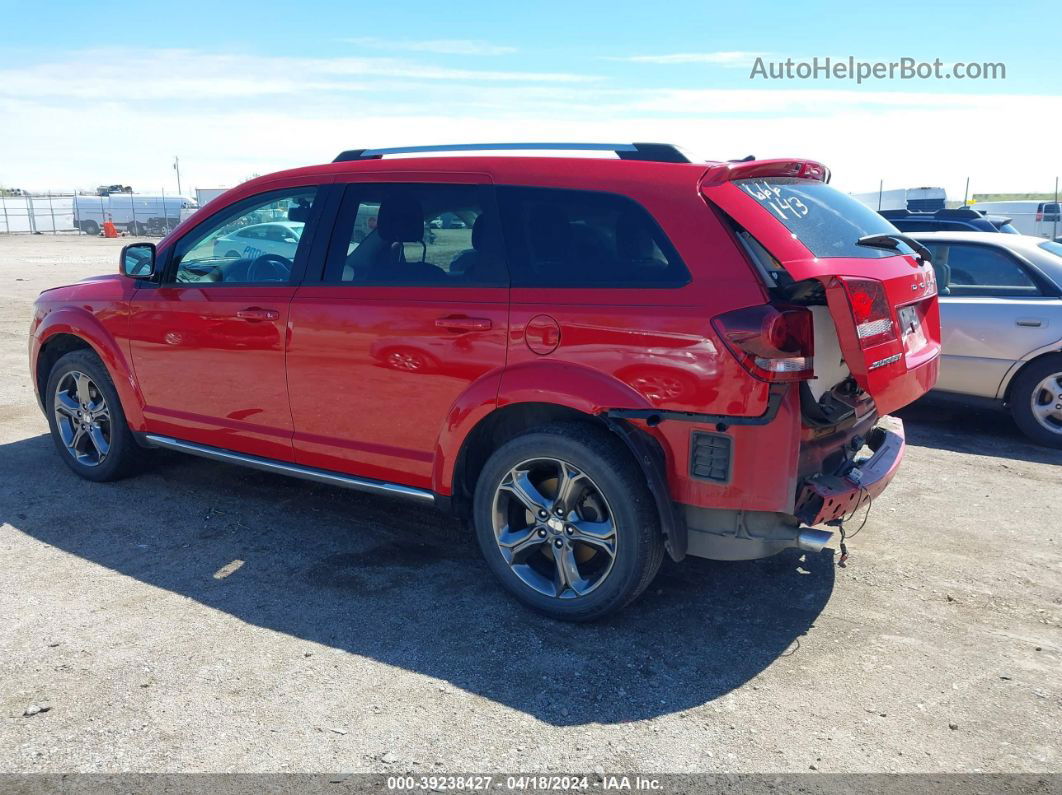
(569, 238)
(431, 235)
(255, 242)
(981, 270)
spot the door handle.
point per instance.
(255, 313)
(464, 323)
(1030, 322)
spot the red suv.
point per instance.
(593, 359)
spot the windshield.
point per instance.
(829, 223)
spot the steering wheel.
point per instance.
(269, 268)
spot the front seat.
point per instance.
(400, 221)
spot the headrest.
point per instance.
(299, 212)
(479, 231)
(400, 219)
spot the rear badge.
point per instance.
(882, 362)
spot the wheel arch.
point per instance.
(507, 422)
(67, 330)
(542, 388)
(1018, 368)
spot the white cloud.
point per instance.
(194, 76)
(437, 46)
(84, 121)
(729, 58)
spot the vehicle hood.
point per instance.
(107, 286)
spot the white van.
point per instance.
(136, 213)
(1030, 217)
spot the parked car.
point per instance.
(615, 359)
(1001, 315)
(254, 240)
(960, 219)
(1029, 217)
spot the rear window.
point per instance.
(1053, 247)
(825, 220)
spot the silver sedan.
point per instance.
(1001, 323)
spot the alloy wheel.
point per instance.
(82, 418)
(1047, 403)
(554, 528)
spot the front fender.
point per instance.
(87, 326)
(559, 383)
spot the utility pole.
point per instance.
(881, 189)
(177, 168)
(966, 195)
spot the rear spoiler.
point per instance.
(751, 169)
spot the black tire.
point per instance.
(1025, 384)
(90, 228)
(614, 475)
(123, 456)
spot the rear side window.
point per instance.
(980, 270)
(428, 235)
(567, 238)
(825, 220)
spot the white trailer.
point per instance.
(917, 200)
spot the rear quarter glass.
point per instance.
(827, 222)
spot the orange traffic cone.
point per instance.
(109, 229)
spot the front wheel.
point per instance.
(1036, 401)
(86, 419)
(565, 520)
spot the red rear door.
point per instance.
(411, 310)
(881, 298)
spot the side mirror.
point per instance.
(138, 261)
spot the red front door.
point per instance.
(208, 344)
(210, 362)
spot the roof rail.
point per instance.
(657, 153)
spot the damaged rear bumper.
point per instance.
(746, 535)
(828, 498)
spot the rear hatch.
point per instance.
(881, 297)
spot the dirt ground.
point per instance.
(365, 635)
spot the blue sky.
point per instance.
(109, 92)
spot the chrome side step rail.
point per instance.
(292, 470)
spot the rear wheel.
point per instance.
(1036, 401)
(565, 520)
(86, 419)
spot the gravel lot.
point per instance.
(365, 635)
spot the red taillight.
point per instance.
(871, 310)
(772, 343)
